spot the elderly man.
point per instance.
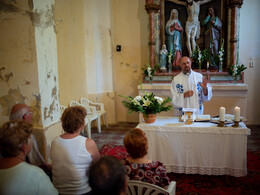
(23, 112)
(189, 89)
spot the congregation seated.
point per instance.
(17, 176)
(138, 165)
(23, 112)
(107, 176)
(72, 154)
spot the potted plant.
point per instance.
(236, 70)
(149, 105)
(149, 72)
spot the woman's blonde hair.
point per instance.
(13, 135)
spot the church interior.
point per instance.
(56, 51)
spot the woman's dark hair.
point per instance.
(107, 176)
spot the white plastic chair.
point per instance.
(91, 115)
(62, 108)
(143, 188)
(99, 107)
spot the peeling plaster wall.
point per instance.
(18, 65)
(46, 47)
(130, 30)
(69, 15)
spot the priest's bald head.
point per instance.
(185, 64)
(21, 112)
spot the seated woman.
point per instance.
(138, 166)
(17, 176)
(72, 154)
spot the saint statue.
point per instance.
(163, 59)
(212, 32)
(174, 36)
(192, 27)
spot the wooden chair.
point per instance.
(91, 115)
(99, 108)
(143, 188)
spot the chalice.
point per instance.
(189, 120)
(189, 112)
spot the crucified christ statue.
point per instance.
(192, 27)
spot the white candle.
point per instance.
(207, 65)
(237, 114)
(222, 111)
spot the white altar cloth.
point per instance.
(200, 148)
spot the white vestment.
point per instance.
(183, 83)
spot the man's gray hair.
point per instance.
(19, 114)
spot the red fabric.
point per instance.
(113, 150)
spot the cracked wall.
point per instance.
(28, 59)
(18, 64)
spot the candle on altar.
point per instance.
(237, 114)
(222, 111)
(207, 65)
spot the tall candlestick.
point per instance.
(207, 66)
(222, 111)
(237, 114)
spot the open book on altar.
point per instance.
(202, 118)
(198, 118)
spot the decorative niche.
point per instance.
(227, 11)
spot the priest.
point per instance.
(189, 89)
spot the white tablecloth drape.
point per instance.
(200, 148)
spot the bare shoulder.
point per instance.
(92, 149)
(90, 143)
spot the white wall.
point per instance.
(249, 47)
(98, 45)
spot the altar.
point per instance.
(200, 148)
(226, 95)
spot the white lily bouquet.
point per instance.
(220, 56)
(149, 71)
(147, 104)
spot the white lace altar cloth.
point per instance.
(200, 148)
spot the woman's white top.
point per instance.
(70, 162)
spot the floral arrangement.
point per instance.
(149, 71)
(236, 70)
(170, 57)
(221, 52)
(148, 104)
(198, 56)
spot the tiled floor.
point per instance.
(114, 134)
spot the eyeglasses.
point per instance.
(27, 113)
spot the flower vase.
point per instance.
(199, 67)
(220, 68)
(149, 118)
(235, 79)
